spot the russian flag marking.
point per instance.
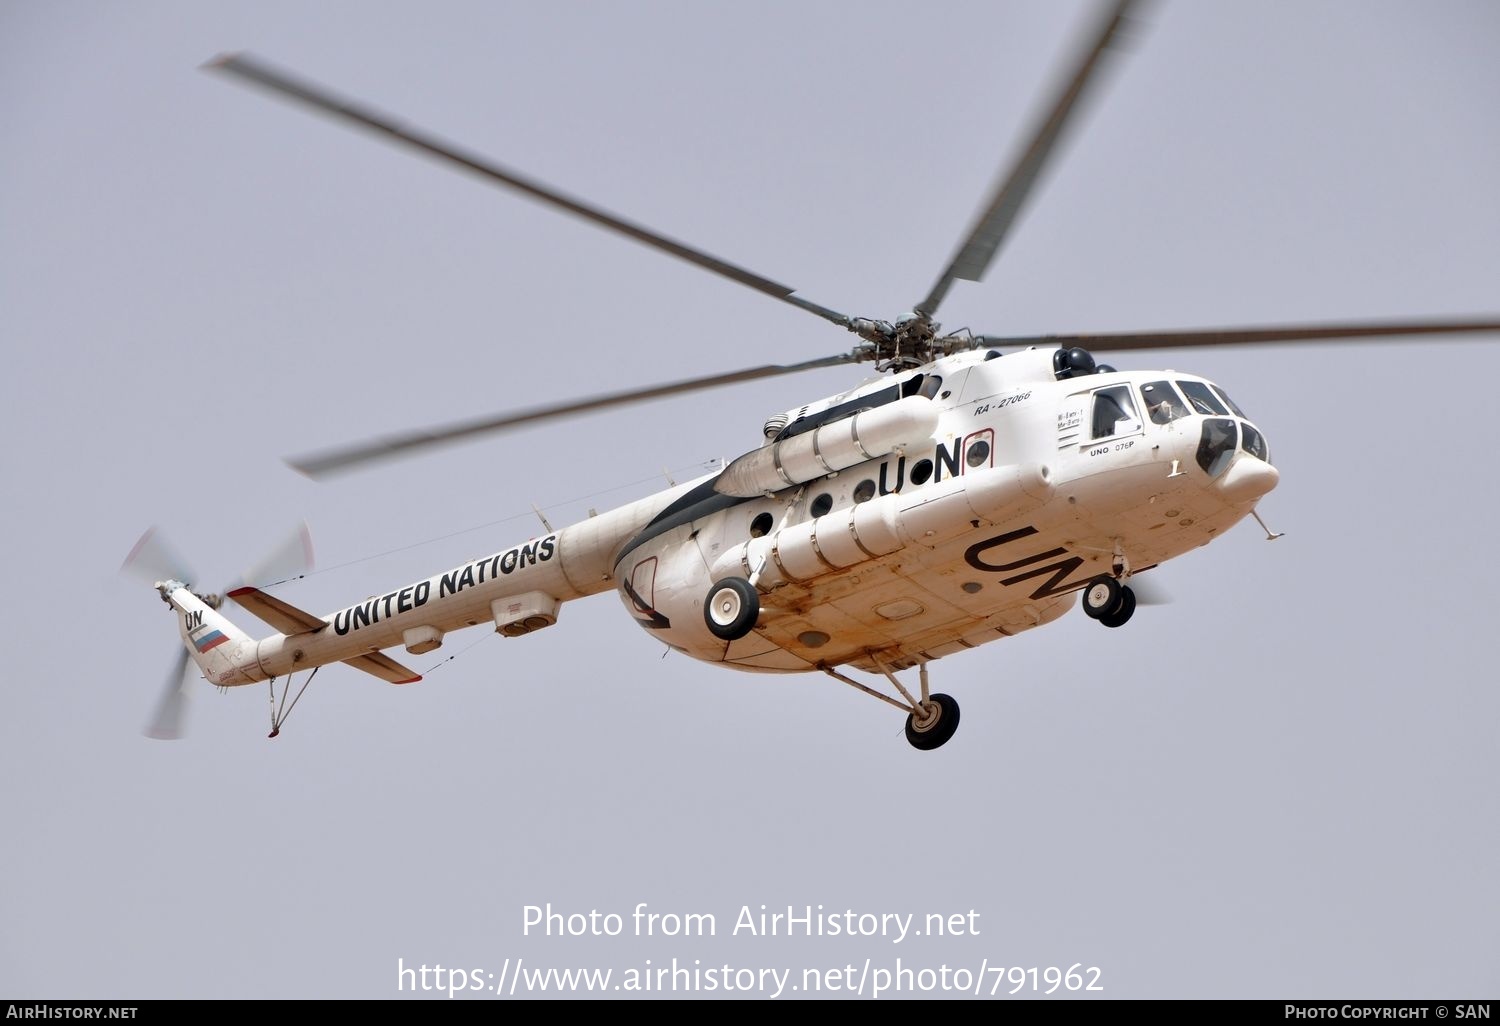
(213, 639)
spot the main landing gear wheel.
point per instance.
(933, 724)
(731, 609)
(930, 720)
(1119, 617)
(1102, 597)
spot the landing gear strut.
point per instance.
(930, 720)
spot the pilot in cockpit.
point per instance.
(1162, 404)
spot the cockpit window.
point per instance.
(1163, 404)
(1229, 402)
(930, 386)
(1216, 446)
(1253, 442)
(1201, 399)
(1114, 411)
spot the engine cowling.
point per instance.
(836, 445)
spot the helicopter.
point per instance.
(978, 486)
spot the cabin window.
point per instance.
(1201, 399)
(921, 471)
(822, 504)
(1163, 404)
(979, 453)
(864, 491)
(1114, 412)
(760, 526)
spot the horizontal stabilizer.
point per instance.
(384, 667)
(284, 616)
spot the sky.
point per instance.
(1280, 785)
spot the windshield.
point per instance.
(1201, 399)
(1220, 435)
(1229, 402)
(1163, 404)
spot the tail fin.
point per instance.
(218, 647)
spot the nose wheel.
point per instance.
(1108, 601)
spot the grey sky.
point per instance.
(1281, 785)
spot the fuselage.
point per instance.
(1029, 487)
(910, 518)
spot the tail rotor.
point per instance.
(155, 562)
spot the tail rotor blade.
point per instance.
(171, 710)
(152, 560)
(293, 557)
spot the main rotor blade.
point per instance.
(978, 250)
(1182, 339)
(325, 463)
(258, 72)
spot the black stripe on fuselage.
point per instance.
(693, 504)
(848, 408)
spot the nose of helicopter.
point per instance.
(1247, 479)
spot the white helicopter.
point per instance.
(978, 487)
